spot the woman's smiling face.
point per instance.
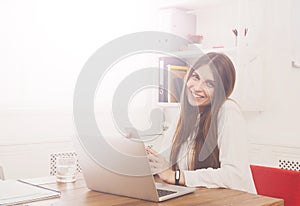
(201, 86)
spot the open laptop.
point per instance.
(103, 179)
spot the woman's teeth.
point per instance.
(197, 95)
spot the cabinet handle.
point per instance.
(295, 65)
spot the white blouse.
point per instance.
(234, 171)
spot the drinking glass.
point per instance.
(66, 169)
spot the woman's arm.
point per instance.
(234, 172)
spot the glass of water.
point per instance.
(66, 169)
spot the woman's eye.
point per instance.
(210, 84)
(195, 76)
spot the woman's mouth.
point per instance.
(198, 95)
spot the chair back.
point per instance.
(277, 183)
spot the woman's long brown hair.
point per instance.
(205, 149)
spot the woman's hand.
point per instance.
(160, 166)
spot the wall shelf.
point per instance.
(199, 52)
(191, 5)
(168, 104)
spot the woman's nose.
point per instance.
(199, 86)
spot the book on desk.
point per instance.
(18, 191)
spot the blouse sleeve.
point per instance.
(234, 171)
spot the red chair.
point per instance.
(278, 183)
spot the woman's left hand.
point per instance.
(160, 166)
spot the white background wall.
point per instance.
(278, 124)
(44, 44)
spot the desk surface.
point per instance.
(77, 193)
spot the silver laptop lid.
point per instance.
(118, 180)
(129, 177)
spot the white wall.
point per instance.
(278, 124)
(44, 45)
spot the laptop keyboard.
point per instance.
(162, 193)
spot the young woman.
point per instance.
(209, 147)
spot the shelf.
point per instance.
(199, 52)
(168, 104)
(192, 5)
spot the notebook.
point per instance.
(120, 180)
(18, 191)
